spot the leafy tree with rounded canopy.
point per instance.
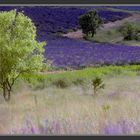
(90, 22)
(20, 53)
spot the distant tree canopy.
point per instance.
(130, 31)
(20, 53)
(90, 22)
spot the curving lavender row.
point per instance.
(71, 53)
(60, 19)
(129, 8)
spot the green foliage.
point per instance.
(138, 36)
(61, 83)
(81, 78)
(97, 84)
(47, 66)
(20, 53)
(89, 23)
(79, 81)
(130, 31)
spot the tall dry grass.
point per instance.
(72, 110)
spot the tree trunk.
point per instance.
(92, 34)
(6, 94)
(95, 91)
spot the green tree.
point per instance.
(90, 22)
(130, 31)
(97, 84)
(20, 52)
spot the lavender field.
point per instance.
(64, 99)
(129, 8)
(51, 22)
(70, 53)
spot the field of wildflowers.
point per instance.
(63, 102)
(73, 111)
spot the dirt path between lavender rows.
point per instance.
(79, 35)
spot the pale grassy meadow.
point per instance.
(74, 110)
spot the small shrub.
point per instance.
(130, 31)
(61, 83)
(97, 84)
(138, 36)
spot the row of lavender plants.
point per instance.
(129, 8)
(70, 53)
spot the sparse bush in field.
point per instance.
(130, 31)
(97, 84)
(61, 83)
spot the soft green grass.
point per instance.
(112, 35)
(109, 35)
(80, 77)
(91, 72)
(132, 43)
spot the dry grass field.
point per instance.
(73, 110)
